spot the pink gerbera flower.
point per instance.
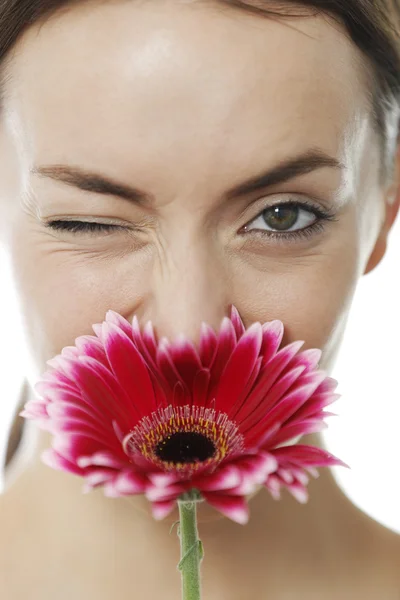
(138, 416)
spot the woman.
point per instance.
(226, 156)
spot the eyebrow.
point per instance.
(97, 183)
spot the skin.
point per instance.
(184, 102)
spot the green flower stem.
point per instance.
(191, 547)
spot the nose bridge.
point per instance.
(188, 287)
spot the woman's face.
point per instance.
(186, 104)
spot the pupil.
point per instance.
(281, 217)
(185, 447)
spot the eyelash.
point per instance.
(293, 236)
(77, 227)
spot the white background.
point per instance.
(366, 433)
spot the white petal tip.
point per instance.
(239, 517)
(160, 512)
(110, 492)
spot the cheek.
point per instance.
(62, 292)
(311, 296)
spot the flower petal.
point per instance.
(237, 322)
(129, 482)
(186, 359)
(160, 510)
(70, 352)
(110, 490)
(102, 458)
(285, 475)
(302, 454)
(245, 487)
(97, 386)
(155, 494)
(272, 337)
(166, 365)
(120, 322)
(289, 432)
(97, 477)
(315, 404)
(207, 344)
(249, 415)
(163, 479)
(235, 508)
(244, 398)
(258, 466)
(147, 346)
(308, 358)
(200, 388)
(284, 409)
(239, 368)
(34, 410)
(89, 345)
(270, 374)
(225, 347)
(53, 459)
(273, 485)
(299, 492)
(223, 479)
(129, 368)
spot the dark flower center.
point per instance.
(184, 439)
(185, 447)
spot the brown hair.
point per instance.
(373, 25)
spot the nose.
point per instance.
(189, 287)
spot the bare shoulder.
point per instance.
(386, 549)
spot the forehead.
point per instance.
(134, 78)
